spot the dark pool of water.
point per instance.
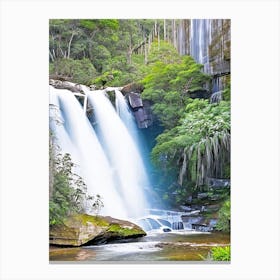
(180, 246)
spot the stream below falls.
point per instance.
(170, 246)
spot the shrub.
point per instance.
(220, 253)
(224, 217)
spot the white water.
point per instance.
(57, 127)
(200, 39)
(94, 166)
(131, 247)
(129, 172)
(110, 162)
(216, 97)
(126, 116)
(158, 220)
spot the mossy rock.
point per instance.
(81, 229)
(132, 87)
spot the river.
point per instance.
(169, 246)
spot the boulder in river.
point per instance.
(81, 229)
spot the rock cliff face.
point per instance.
(141, 110)
(208, 41)
(81, 229)
(219, 47)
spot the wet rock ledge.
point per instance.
(83, 229)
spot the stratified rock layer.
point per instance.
(83, 229)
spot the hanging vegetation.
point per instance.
(199, 146)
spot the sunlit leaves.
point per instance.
(166, 85)
(220, 253)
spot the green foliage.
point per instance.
(182, 74)
(85, 218)
(167, 86)
(226, 92)
(79, 71)
(92, 24)
(220, 253)
(107, 43)
(109, 78)
(101, 55)
(196, 141)
(88, 24)
(165, 53)
(198, 147)
(65, 199)
(223, 223)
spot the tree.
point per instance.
(76, 70)
(165, 83)
(62, 32)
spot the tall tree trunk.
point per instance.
(149, 42)
(174, 33)
(145, 48)
(158, 37)
(155, 28)
(69, 44)
(146, 52)
(129, 51)
(164, 29)
(52, 57)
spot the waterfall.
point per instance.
(125, 115)
(129, 172)
(94, 167)
(216, 97)
(59, 133)
(200, 37)
(161, 220)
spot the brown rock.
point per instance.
(83, 229)
(132, 87)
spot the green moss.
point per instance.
(84, 219)
(124, 231)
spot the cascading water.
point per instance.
(107, 156)
(216, 97)
(94, 166)
(59, 133)
(129, 172)
(125, 115)
(162, 220)
(200, 37)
